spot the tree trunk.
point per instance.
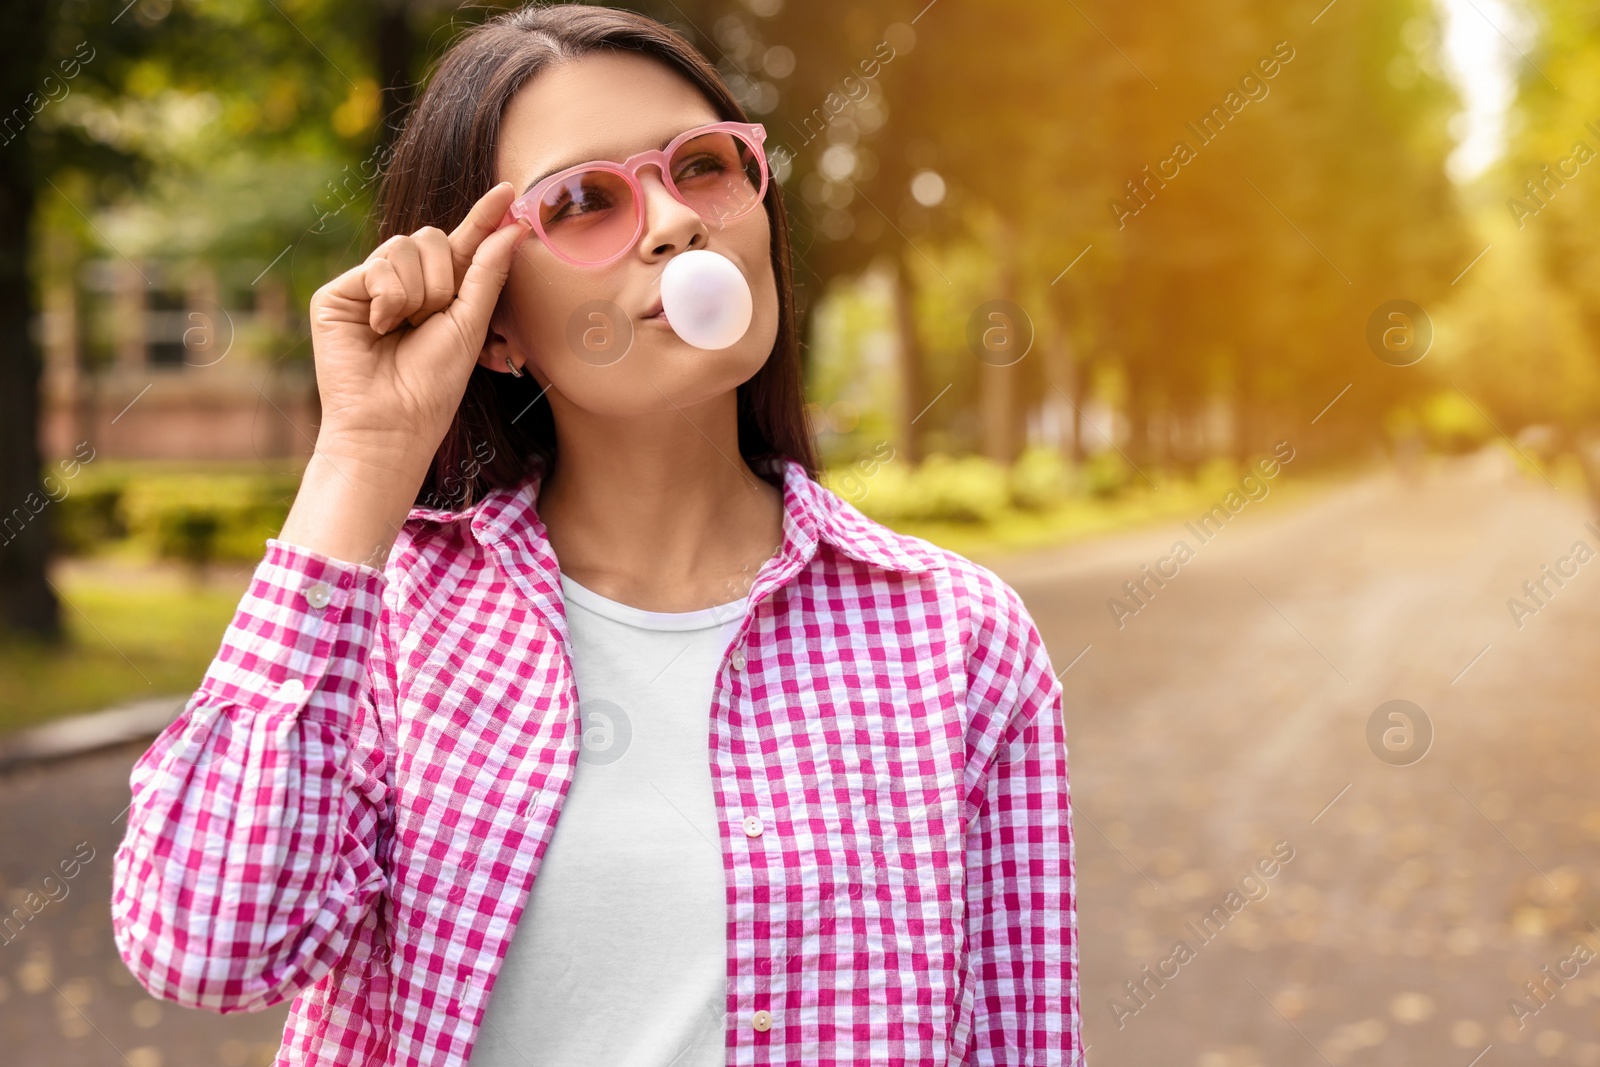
(909, 355)
(1244, 409)
(1138, 413)
(999, 388)
(1061, 389)
(1078, 389)
(27, 602)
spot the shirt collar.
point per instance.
(812, 515)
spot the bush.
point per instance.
(878, 487)
(1040, 479)
(188, 534)
(1453, 425)
(940, 489)
(194, 517)
(89, 517)
(1217, 472)
(968, 489)
(1105, 474)
(199, 518)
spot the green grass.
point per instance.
(128, 638)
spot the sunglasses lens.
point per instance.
(718, 174)
(589, 215)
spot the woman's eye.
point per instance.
(699, 167)
(587, 202)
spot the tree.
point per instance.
(27, 601)
(1542, 201)
(241, 135)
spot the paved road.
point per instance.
(1231, 714)
(1220, 733)
(66, 999)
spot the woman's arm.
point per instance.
(252, 851)
(261, 818)
(1022, 920)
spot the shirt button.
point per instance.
(738, 659)
(318, 594)
(752, 827)
(293, 690)
(762, 1020)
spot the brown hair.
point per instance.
(443, 160)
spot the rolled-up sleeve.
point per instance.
(1022, 919)
(258, 817)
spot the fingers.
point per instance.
(386, 291)
(485, 277)
(418, 280)
(482, 220)
(438, 274)
(411, 277)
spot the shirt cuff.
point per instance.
(302, 630)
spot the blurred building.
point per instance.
(151, 360)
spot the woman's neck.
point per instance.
(675, 523)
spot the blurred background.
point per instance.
(1257, 344)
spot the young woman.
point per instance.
(817, 810)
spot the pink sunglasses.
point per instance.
(592, 213)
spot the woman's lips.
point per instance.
(655, 312)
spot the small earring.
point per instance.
(515, 370)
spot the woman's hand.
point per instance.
(395, 338)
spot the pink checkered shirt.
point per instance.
(353, 806)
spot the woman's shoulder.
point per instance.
(430, 544)
(442, 538)
(984, 600)
(993, 633)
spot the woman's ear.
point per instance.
(497, 354)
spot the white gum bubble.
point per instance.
(706, 299)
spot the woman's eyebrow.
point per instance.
(574, 163)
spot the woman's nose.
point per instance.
(669, 223)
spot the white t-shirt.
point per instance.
(620, 957)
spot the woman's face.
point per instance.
(567, 324)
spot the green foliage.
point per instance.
(954, 504)
(1105, 474)
(196, 516)
(1445, 421)
(1217, 472)
(959, 489)
(1040, 479)
(974, 490)
(88, 517)
(852, 362)
(1527, 326)
(1247, 278)
(968, 489)
(200, 518)
(1451, 423)
(229, 132)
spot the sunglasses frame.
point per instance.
(526, 205)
